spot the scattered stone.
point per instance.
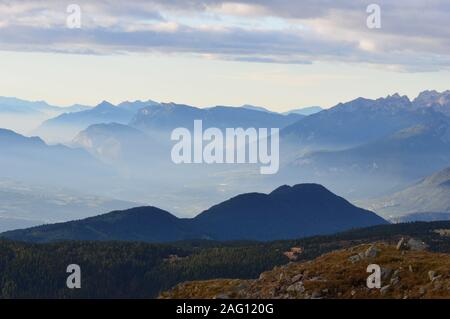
(410, 268)
(296, 278)
(422, 290)
(371, 252)
(317, 278)
(417, 245)
(316, 295)
(354, 258)
(401, 244)
(263, 276)
(222, 296)
(385, 273)
(297, 287)
(385, 289)
(395, 281)
(431, 275)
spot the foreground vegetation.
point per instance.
(404, 275)
(140, 270)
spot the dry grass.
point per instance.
(334, 276)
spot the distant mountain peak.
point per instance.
(432, 98)
(104, 104)
(396, 97)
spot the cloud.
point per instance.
(415, 35)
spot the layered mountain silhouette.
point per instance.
(115, 142)
(389, 163)
(168, 116)
(358, 122)
(287, 212)
(65, 126)
(309, 110)
(14, 105)
(22, 116)
(30, 159)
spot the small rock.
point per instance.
(385, 289)
(353, 292)
(297, 287)
(416, 245)
(371, 252)
(317, 278)
(385, 273)
(222, 296)
(395, 281)
(316, 295)
(296, 278)
(422, 290)
(354, 258)
(263, 276)
(410, 268)
(401, 244)
(431, 275)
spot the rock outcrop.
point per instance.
(411, 273)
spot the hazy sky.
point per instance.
(280, 54)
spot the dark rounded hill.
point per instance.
(288, 212)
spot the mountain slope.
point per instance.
(439, 102)
(29, 159)
(288, 212)
(148, 224)
(114, 142)
(379, 167)
(430, 195)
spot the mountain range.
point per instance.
(30, 159)
(22, 116)
(287, 212)
(65, 126)
(364, 149)
(358, 122)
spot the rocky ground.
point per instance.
(407, 271)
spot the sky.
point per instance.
(278, 54)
